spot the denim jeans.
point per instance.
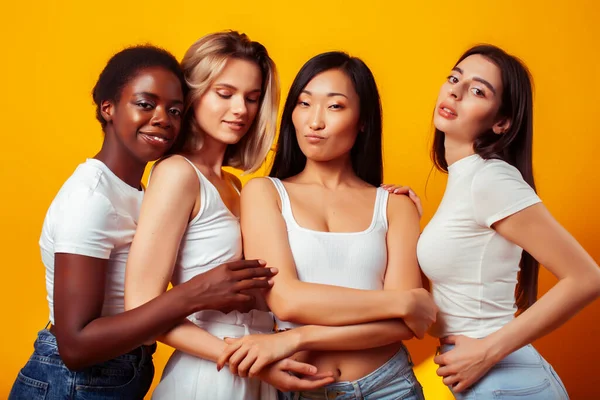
(523, 374)
(394, 380)
(45, 376)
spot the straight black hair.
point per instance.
(366, 154)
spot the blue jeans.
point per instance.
(523, 374)
(394, 380)
(45, 376)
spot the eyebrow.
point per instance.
(477, 79)
(227, 85)
(155, 97)
(332, 94)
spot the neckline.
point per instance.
(463, 163)
(215, 188)
(124, 186)
(378, 193)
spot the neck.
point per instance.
(456, 150)
(329, 174)
(121, 163)
(211, 154)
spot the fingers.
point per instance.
(257, 272)
(227, 353)
(449, 339)
(297, 384)
(443, 371)
(244, 264)
(246, 364)
(298, 367)
(258, 365)
(249, 284)
(237, 358)
(451, 380)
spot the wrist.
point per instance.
(495, 348)
(402, 304)
(184, 300)
(301, 338)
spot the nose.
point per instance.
(238, 105)
(317, 122)
(161, 118)
(456, 90)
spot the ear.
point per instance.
(107, 108)
(501, 126)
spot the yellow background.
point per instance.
(53, 51)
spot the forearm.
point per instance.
(553, 309)
(194, 340)
(309, 303)
(105, 338)
(351, 337)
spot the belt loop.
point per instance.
(357, 391)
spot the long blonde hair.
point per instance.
(202, 63)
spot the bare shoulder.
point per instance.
(261, 188)
(175, 175)
(402, 207)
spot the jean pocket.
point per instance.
(539, 391)
(109, 375)
(26, 388)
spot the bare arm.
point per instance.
(84, 338)
(248, 355)
(166, 210)
(402, 273)
(536, 231)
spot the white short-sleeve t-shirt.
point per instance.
(94, 214)
(473, 269)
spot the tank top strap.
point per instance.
(381, 202)
(286, 206)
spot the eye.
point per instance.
(145, 105)
(303, 103)
(478, 92)
(252, 100)
(452, 79)
(336, 107)
(176, 112)
(224, 95)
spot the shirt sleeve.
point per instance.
(499, 191)
(86, 225)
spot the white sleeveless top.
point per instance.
(356, 260)
(212, 238)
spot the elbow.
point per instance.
(73, 355)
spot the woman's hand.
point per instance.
(248, 355)
(281, 376)
(466, 363)
(406, 190)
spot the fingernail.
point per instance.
(270, 281)
(262, 262)
(312, 370)
(274, 270)
(396, 190)
(411, 192)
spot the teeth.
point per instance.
(447, 110)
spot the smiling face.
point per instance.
(326, 116)
(469, 101)
(147, 117)
(228, 108)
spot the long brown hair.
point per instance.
(515, 146)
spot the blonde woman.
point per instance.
(189, 221)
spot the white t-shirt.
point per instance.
(94, 214)
(473, 269)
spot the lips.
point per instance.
(155, 138)
(447, 111)
(235, 125)
(313, 139)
